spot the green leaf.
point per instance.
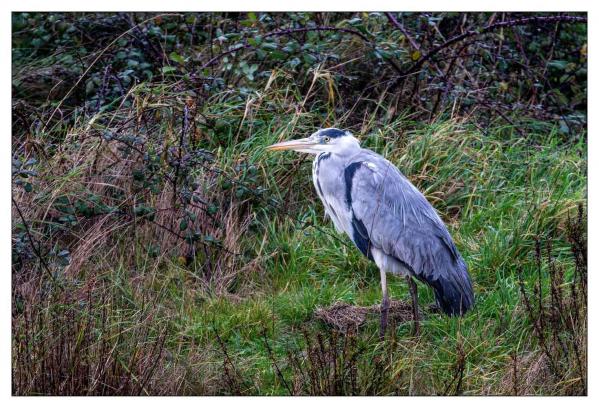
(89, 87)
(277, 55)
(309, 59)
(269, 46)
(177, 58)
(183, 225)
(256, 41)
(168, 69)
(138, 175)
(558, 64)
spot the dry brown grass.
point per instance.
(348, 318)
(103, 326)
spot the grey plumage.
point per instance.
(387, 218)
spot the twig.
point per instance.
(180, 151)
(503, 116)
(231, 379)
(100, 54)
(158, 346)
(274, 362)
(32, 241)
(401, 28)
(489, 28)
(299, 30)
(285, 32)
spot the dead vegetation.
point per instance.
(106, 204)
(147, 228)
(75, 345)
(558, 318)
(347, 318)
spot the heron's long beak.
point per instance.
(298, 145)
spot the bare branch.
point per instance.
(489, 28)
(401, 28)
(36, 249)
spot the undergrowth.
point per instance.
(175, 271)
(159, 250)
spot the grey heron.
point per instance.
(387, 218)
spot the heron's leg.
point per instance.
(415, 312)
(384, 305)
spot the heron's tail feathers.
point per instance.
(454, 292)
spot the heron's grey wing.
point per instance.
(389, 213)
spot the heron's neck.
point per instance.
(347, 151)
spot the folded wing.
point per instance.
(391, 215)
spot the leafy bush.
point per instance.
(158, 250)
(488, 64)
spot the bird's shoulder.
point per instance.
(371, 176)
(369, 159)
(380, 196)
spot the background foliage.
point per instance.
(158, 250)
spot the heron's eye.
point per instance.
(326, 139)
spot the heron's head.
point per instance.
(324, 140)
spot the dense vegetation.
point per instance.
(157, 249)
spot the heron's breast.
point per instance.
(326, 174)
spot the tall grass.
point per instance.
(173, 256)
